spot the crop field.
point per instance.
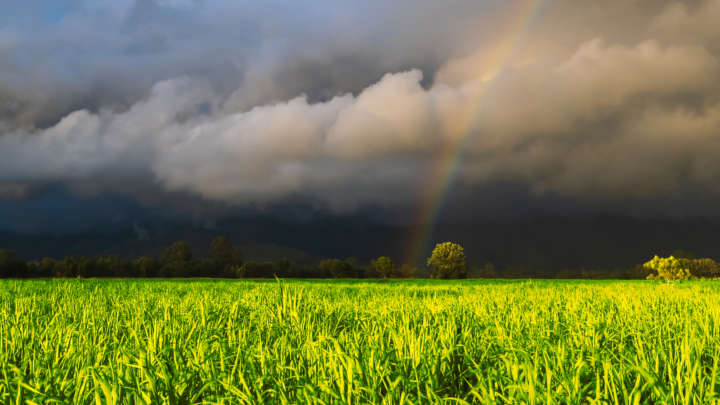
(420, 341)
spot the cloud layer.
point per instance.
(357, 104)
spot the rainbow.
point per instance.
(445, 169)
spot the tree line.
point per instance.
(447, 261)
(226, 261)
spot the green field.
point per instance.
(205, 341)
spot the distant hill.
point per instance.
(34, 247)
(272, 252)
(544, 243)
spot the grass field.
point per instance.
(204, 341)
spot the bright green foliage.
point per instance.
(448, 261)
(383, 266)
(668, 268)
(409, 342)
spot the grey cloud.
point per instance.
(110, 55)
(617, 113)
(689, 23)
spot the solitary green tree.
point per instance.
(383, 266)
(448, 261)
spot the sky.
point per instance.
(417, 111)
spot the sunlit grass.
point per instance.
(115, 341)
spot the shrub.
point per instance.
(705, 268)
(667, 268)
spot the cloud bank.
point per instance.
(356, 104)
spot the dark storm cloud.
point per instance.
(346, 104)
(109, 55)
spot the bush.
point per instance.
(667, 268)
(680, 268)
(702, 268)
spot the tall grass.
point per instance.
(104, 341)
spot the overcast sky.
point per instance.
(343, 105)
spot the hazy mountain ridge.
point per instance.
(544, 243)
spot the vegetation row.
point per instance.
(447, 261)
